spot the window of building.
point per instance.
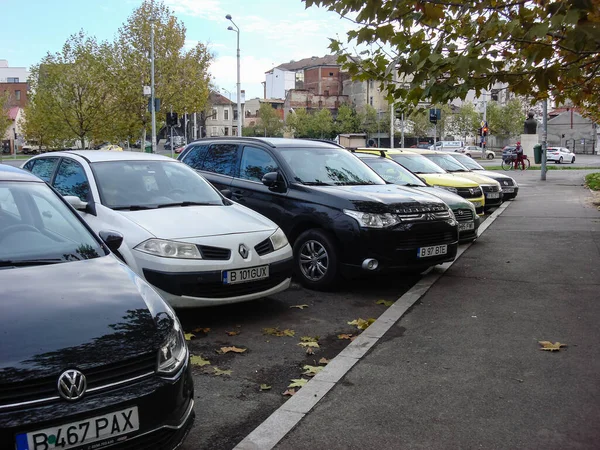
(226, 130)
(371, 100)
(18, 95)
(12, 80)
(371, 84)
(235, 114)
(330, 74)
(214, 131)
(226, 114)
(326, 93)
(215, 114)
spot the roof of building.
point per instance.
(327, 60)
(218, 99)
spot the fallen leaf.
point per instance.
(289, 392)
(310, 351)
(232, 333)
(201, 330)
(323, 361)
(344, 336)
(308, 344)
(384, 302)
(290, 333)
(299, 306)
(221, 372)
(277, 332)
(309, 339)
(265, 387)
(311, 371)
(189, 336)
(549, 346)
(233, 349)
(299, 382)
(362, 324)
(199, 361)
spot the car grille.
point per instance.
(163, 439)
(490, 188)
(214, 253)
(220, 290)
(469, 192)
(422, 238)
(264, 247)
(464, 215)
(98, 378)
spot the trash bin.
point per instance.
(148, 148)
(537, 153)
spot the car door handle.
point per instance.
(238, 193)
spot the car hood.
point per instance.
(378, 198)
(454, 201)
(181, 222)
(447, 179)
(476, 177)
(494, 175)
(80, 314)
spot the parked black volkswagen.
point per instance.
(90, 355)
(340, 216)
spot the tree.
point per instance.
(269, 120)
(419, 121)
(41, 126)
(321, 125)
(299, 123)
(4, 117)
(505, 120)
(467, 120)
(347, 121)
(444, 48)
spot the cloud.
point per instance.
(207, 9)
(252, 73)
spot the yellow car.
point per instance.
(433, 174)
(112, 148)
(491, 188)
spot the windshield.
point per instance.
(447, 163)
(328, 167)
(417, 163)
(152, 184)
(38, 227)
(393, 172)
(467, 162)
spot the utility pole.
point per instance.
(484, 143)
(239, 92)
(544, 139)
(153, 99)
(172, 152)
(402, 131)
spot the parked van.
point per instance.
(447, 146)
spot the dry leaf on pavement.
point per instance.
(232, 333)
(201, 330)
(309, 339)
(384, 302)
(233, 349)
(362, 324)
(299, 382)
(311, 371)
(549, 346)
(299, 306)
(277, 332)
(189, 336)
(199, 361)
(221, 372)
(323, 361)
(344, 336)
(309, 344)
(289, 392)
(265, 387)
(310, 351)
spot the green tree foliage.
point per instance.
(346, 121)
(506, 120)
(445, 48)
(4, 118)
(467, 121)
(299, 124)
(419, 124)
(269, 120)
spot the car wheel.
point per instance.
(560, 160)
(315, 259)
(468, 154)
(573, 160)
(490, 156)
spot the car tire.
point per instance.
(468, 154)
(490, 156)
(573, 160)
(560, 160)
(308, 253)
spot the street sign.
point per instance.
(435, 115)
(147, 90)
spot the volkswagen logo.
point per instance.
(243, 250)
(72, 384)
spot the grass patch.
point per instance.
(548, 167)
(593, 181)
(9, 157)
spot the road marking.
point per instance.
(287, 416)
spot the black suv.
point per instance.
(339, 215)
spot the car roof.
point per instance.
(9, 173)
(275, 142)
(383, 151)
(104, 156)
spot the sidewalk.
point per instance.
(462, 369)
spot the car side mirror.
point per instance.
(112, 239)
(80, 205)
(273, 180)
(226, 193)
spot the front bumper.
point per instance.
(165, 408)
(190, 289)
(396, 248)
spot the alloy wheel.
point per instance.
(314, 260)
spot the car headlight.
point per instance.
(278, 239)
(173, 353)
(169, 249)
(447, 188)
(371, 220)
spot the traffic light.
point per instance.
(485, 131)
(398, 113)
(480, 131)
(494, 95)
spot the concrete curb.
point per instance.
(287, 416)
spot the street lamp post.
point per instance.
(152, 94)
(239, 93)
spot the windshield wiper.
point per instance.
(316, 183)
(133, 207)
(413, 185)
(29, 262)
(457, 170)
(168, 205)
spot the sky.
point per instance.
(272, 32)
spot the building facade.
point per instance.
(222, 119)
(252, 108)
(568, 128)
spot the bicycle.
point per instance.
(508, 162)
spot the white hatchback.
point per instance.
(182, 235)
(560, 155)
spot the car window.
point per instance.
(467, 162)
(7, 204)
(447, 162)
(195, 156)
(71, 180)
(221, 158)
(392, 172)
(255, 163)
(44, 168)
(44, 227)
(417, 164)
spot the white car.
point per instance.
(474, 151)
(560, 155)
(180, 234)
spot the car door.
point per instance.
(248, 189)
(220, 163)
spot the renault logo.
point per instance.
(72, 385)
(244, 252)
(505, 183)
(472, 191)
